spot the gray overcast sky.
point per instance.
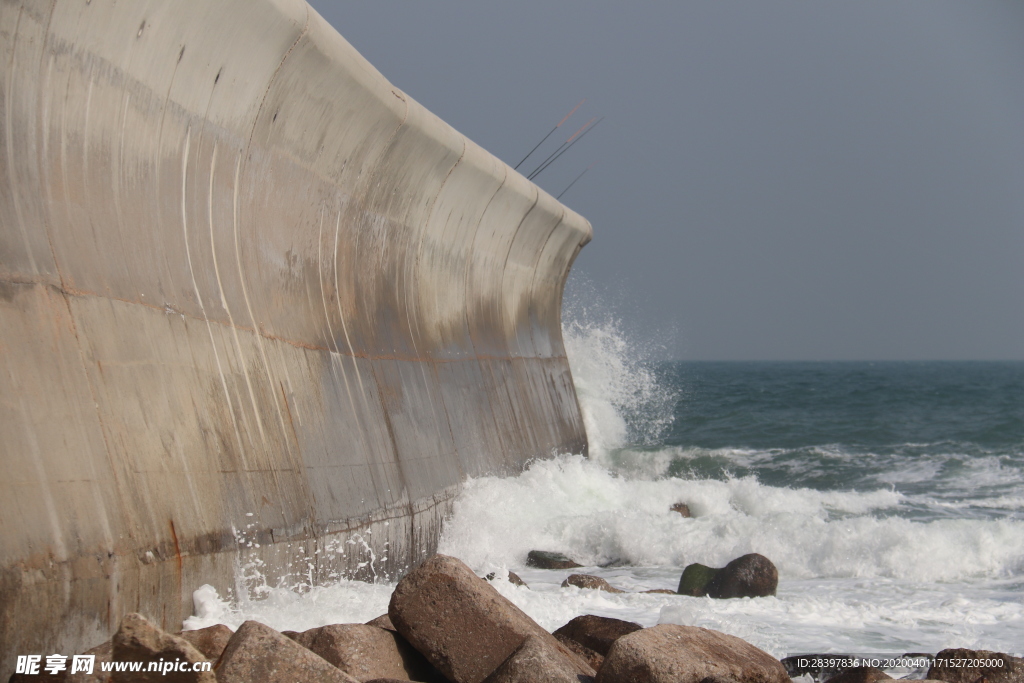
(775, 179)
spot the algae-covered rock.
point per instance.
(695, 579)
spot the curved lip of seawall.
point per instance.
(257, 305)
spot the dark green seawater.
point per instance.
(950, 435)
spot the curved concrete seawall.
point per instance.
(256, 304)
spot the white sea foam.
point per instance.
(577, 506)
(870, 571)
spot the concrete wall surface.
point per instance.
(256, 304)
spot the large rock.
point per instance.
(952, 666)
(668, 653)
(591, 582)
(138, 640)
(546, 559)
(597, 633)
(102, 653)
(383, 621)
(460, 622)
(750, 576)
(536, 661)
(591, 657)
(211, 640)
(695, 579)
(367, 652)
(259, 653)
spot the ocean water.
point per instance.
(889, 495)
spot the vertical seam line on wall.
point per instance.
(9, 130)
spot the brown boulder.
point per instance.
(383, 621)
(211, 640)
(663, 591)
(597, 633)
(591, 582)
(460, 623)
(668, 653)
(138, 640)
(945, 667)
(591, 657)
(259, 653)
(513, 578)
(860, 674)
(749, 576)
(681, 508)
(367, 652)
(546, 559)
(102, 653)
(536, 661)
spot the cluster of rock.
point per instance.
(750, 576)
(444, 624)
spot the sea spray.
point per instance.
(620, 396)
(890, 535)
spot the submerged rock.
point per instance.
(596, 633)
(545, 559)
(668, 653)
(681, 508)
(513, 578)
(952, 666)
(591, 582)
(461, 624)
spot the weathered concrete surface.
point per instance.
(254, 301)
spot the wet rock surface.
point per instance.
(749, 576)
(545, 559)
(695, 579)
(682, 508)
(589, 582)
(513, 578)
(687, 654)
